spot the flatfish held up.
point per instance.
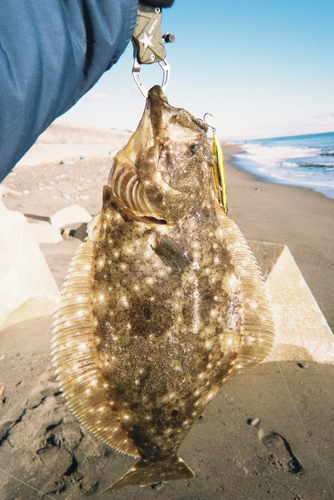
(164, 302)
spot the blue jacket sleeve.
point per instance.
(51, 53)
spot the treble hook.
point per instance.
(208, 124)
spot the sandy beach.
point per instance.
(289, 455)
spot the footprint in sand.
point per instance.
(279, 449)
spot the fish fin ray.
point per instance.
(74, 356)
(94, 226)
(258, 326)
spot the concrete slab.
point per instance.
(70, 215)
(302, 332)
(46, 233)
(27, 287)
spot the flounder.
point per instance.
(164, 301)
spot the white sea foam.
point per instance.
(289, 164)
(305, 161)
(271, 155)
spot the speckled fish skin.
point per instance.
(164, 302)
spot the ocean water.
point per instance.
(301, 160)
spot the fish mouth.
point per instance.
(168, 121)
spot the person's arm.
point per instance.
(158, 3)
(51, 53)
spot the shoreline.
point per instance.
(301, 218)
(236, 149)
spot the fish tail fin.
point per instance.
(143, 473)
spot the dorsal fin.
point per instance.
(257, 321)
(75, 355)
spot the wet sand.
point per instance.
(288, 456)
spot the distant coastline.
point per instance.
(303, 160)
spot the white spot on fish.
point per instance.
(210, 396)
(124, 301)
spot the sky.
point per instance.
(262, 68)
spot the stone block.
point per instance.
(302, 332)
(27, 287)
(46, 233)
(70, 215)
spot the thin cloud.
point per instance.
(320, 120)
